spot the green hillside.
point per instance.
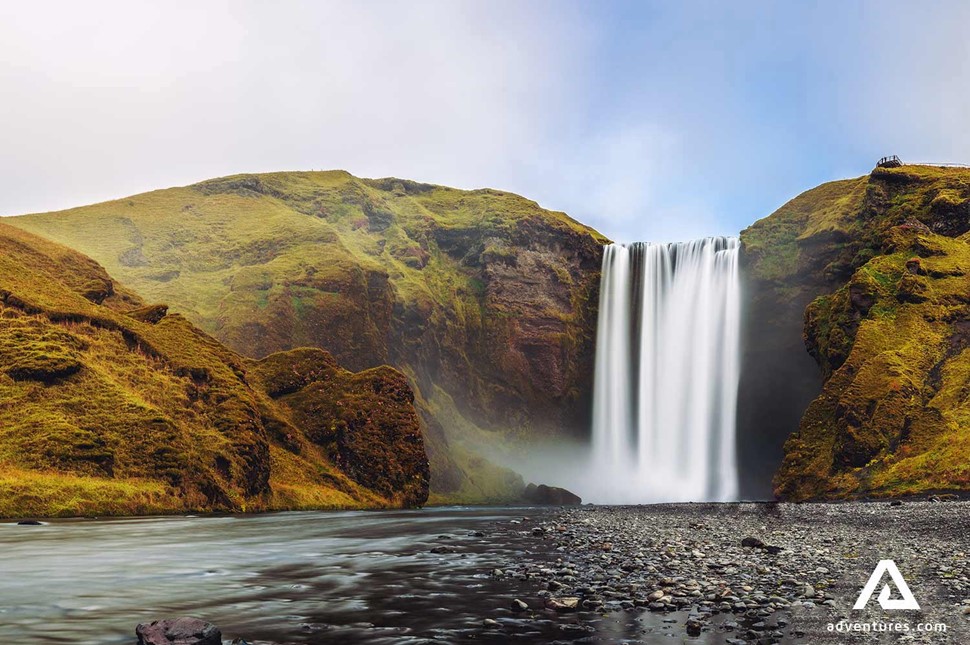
(484, 299)
(884, 262)
(108, 406)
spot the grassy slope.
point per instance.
(108, 407)
(200, 245)
(888, 257)
(375, 271)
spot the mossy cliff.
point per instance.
(880, 267)
(485, 300)
(108, 406)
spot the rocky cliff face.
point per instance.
(485, 300)
(787, 259)
(881, 264)
(108, 406)
(365, 422)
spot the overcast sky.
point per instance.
(647, 120)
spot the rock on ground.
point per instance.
(550, 495)
(178, 631)
(689, 565)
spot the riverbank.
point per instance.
(648, 574)
(751, 572)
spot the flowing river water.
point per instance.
(310, 577)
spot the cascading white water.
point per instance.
(667, 369)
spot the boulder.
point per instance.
(178, 631)
(562, 605)
(550, 496)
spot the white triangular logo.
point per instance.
(908, 601)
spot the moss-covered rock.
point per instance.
(882, 262)
(108, 406)
(366, 422)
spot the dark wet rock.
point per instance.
(895, 502)
(550, 496)
(694, 627)
(29, 523)
(178, 631)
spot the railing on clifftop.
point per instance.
(894, 162)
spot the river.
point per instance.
(309, 577)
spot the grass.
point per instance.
(894, 413)
(30, 493)
(108, 406)
(375, 271)
(775, 245)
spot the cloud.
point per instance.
(647, 120)
(113, 98)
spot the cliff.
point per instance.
(482, 298)
(109, 406)
(871, 273)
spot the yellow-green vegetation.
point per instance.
(481, 293)
(111, 407)
(32, 493)
(783, 245)
(366, 421)
(889, 261)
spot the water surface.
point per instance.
(343, 577)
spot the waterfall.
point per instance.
(667, 369)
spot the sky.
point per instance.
(654, 121)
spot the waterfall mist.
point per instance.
(667, 370)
